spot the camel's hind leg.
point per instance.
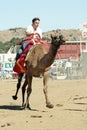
(45, 80)
(18, 85)
(23, 91)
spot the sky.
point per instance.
(53, 14)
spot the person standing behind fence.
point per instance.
(68, 68)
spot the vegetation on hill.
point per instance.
(4, 47)
(11, 37)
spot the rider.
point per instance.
(31, 30)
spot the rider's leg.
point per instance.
(23, 46)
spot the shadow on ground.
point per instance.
(16, 107)
(8, 107)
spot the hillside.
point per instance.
(70, 35)
(11, 37)
(7, 35)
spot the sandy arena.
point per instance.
(70, 106)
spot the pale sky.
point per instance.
(54, 14)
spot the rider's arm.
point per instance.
(29, 31)
(29, 34)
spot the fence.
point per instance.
(57, 71)
(79, 68)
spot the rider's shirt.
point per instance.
(31, 29)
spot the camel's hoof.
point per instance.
(50, 105)
(14, 97)
(27, 108)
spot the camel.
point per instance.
(38, 63)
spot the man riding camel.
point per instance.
(30, 31)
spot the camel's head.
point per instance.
(57, 40)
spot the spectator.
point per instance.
(68, 68)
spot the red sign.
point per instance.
(84, 33)
(84, 30)
(84, 25)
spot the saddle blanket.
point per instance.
(19, 66)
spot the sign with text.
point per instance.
(8, 66)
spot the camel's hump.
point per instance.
(37, 50)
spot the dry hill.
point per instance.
(70, 34)
(7, 35)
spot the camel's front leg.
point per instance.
(45, 80)
(29, 90)
(18, 85)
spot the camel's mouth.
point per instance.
(62, 39)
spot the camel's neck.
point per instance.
(48, 59)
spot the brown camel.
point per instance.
(38, 63)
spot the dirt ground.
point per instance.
(70, 106)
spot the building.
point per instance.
(70, 49)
